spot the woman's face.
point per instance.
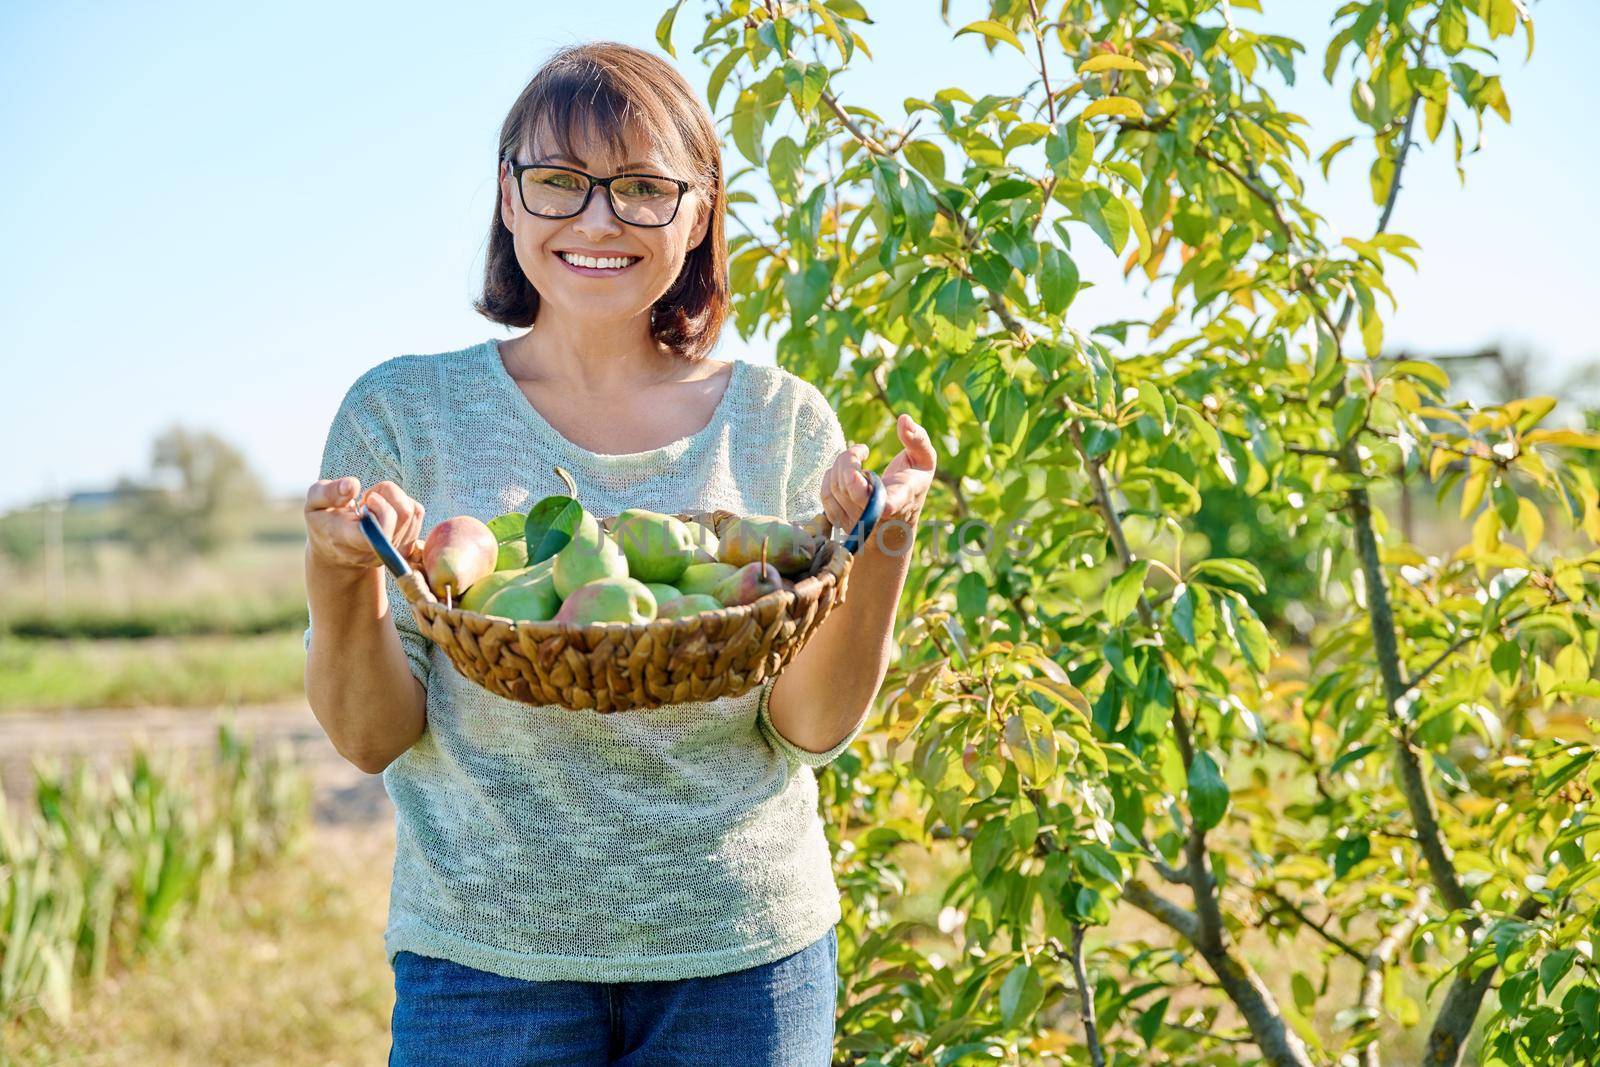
(655, 254)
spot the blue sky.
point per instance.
(222, 214)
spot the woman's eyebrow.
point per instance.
(580, 163)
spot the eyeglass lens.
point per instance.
(641, 200)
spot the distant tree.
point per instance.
(201, 494)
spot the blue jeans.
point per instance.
(778, 1013)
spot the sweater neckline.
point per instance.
(577, 454)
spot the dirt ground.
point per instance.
(342, 794)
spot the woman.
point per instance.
(570, 888)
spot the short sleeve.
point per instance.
(362, 443)
(818, 438)
(796, 754)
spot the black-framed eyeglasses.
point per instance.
(552, 191)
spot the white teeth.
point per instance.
(590, 261)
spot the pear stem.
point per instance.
(572, 486)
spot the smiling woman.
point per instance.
(599, 885)
(647, 121)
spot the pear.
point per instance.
(457, 553)
(703, 577)
(616, 599)
(490, 584)
(789, 547)
(705, 542)
(692, 604)
(658, 546)
(513, 555)
(750, 582)
(589, 556)
(530, 597)
(662, 592)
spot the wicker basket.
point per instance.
(614, 666)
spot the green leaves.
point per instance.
(1020, 995)
(1106, 215)
(1213, 430)
(1122, 594)
(1248, 634)
(1208, 793)
(1031, 744)
(550, 525)
(1058, 279)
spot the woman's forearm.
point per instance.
(824, 693)
(358, 681)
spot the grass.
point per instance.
(102, 868)
(290, 969)
(173, 672)
(105, 589)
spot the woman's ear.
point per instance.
(507, 209)
(702, 222)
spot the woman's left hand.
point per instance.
(845, 487)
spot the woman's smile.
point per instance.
(596, 266)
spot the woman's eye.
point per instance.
(640, 189)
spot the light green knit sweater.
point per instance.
(543, 843)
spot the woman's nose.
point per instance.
(597, 216)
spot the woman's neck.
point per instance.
(593, 358)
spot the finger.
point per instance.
(837, 515)
(918, 445)
(331, 493)
(397, 498)
(383, 512)
(410, 526)
(855, 489)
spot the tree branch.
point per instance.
(1461, 1003)
(1091, 1033)
(1280, 1046)
(1320, 929)
(1377, 960)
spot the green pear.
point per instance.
(692, 604)
(615, 599)
(662, 592)
(788, 547)
(487, 586)
(590, 555)
(703, 577)
(513, 555)
(658, 546)
(705, 542)
(750, 582)
(531, 597)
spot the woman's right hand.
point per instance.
(333, 523)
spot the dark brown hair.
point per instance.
(604, 88)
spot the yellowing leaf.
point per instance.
(1477, 483)
(1109, 61)
(1114, 105)
(1565, 438)
(1530, 520)
(995, 31)
(1428, 372)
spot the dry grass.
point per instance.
(292, 971)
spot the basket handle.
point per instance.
(382, 545)
(869, 515)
